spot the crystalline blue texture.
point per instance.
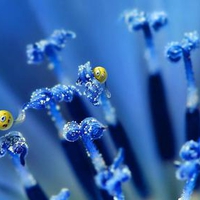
(89, 126)
(187, 170)
(135, 20)
(64, 93)
(57, 41)
(190, 41)
(92, 127)
(60, 37)
(173, 51)
(190, 154)
(157, 20)
(107, 178)
(93, 92)
(42, 98)
(93, 88)
(14, 144)
(35, 53)
(190, 150)
(71, 131)
(85, 74)
(111, 178)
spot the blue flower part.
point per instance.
(14, 144)
(93, 92)
(85, 74)
(135, 20)
(59, 38)
(64, 93)
(157, 20)
(188, 170)
(190, 41)
(111, 178)
(174, 51)
(35, 53)
(71, 131)
(40, 99)
(63, 195)
(190, 151)
(93, 88)
(92, 127)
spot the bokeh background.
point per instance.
(102, 39)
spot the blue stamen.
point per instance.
(78, 112)
(43, 98)
(36, 53)
(48, 98)
(174, 52)
(107, 178)
(15, 145)
(118, 134)
(190, 168)
(137, 20)
(95, 92)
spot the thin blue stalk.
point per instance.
(192, 115)
(164, 136)
(85, 178)
(55, 62)
(96, 94)
(150, 50)
(174, 52)
(56, 117)
(107, 178)
(192, 93)
(188, 188)
(108, 110)
(93, 153)
(32, 188)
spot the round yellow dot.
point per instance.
(6, 120)
(100, 74)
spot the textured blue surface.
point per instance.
(107, 178)
(189, 169)
(103, 39)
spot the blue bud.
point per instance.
(71, 131)
(92, 127)
(35, 53)
(190, 151)
(93, 92)
(14, 144)
(157, 20)
(60, 37)
(40, 99)
(135, 20)
(173, 51)
(187, 170)
(190, 41)
(85, 74)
